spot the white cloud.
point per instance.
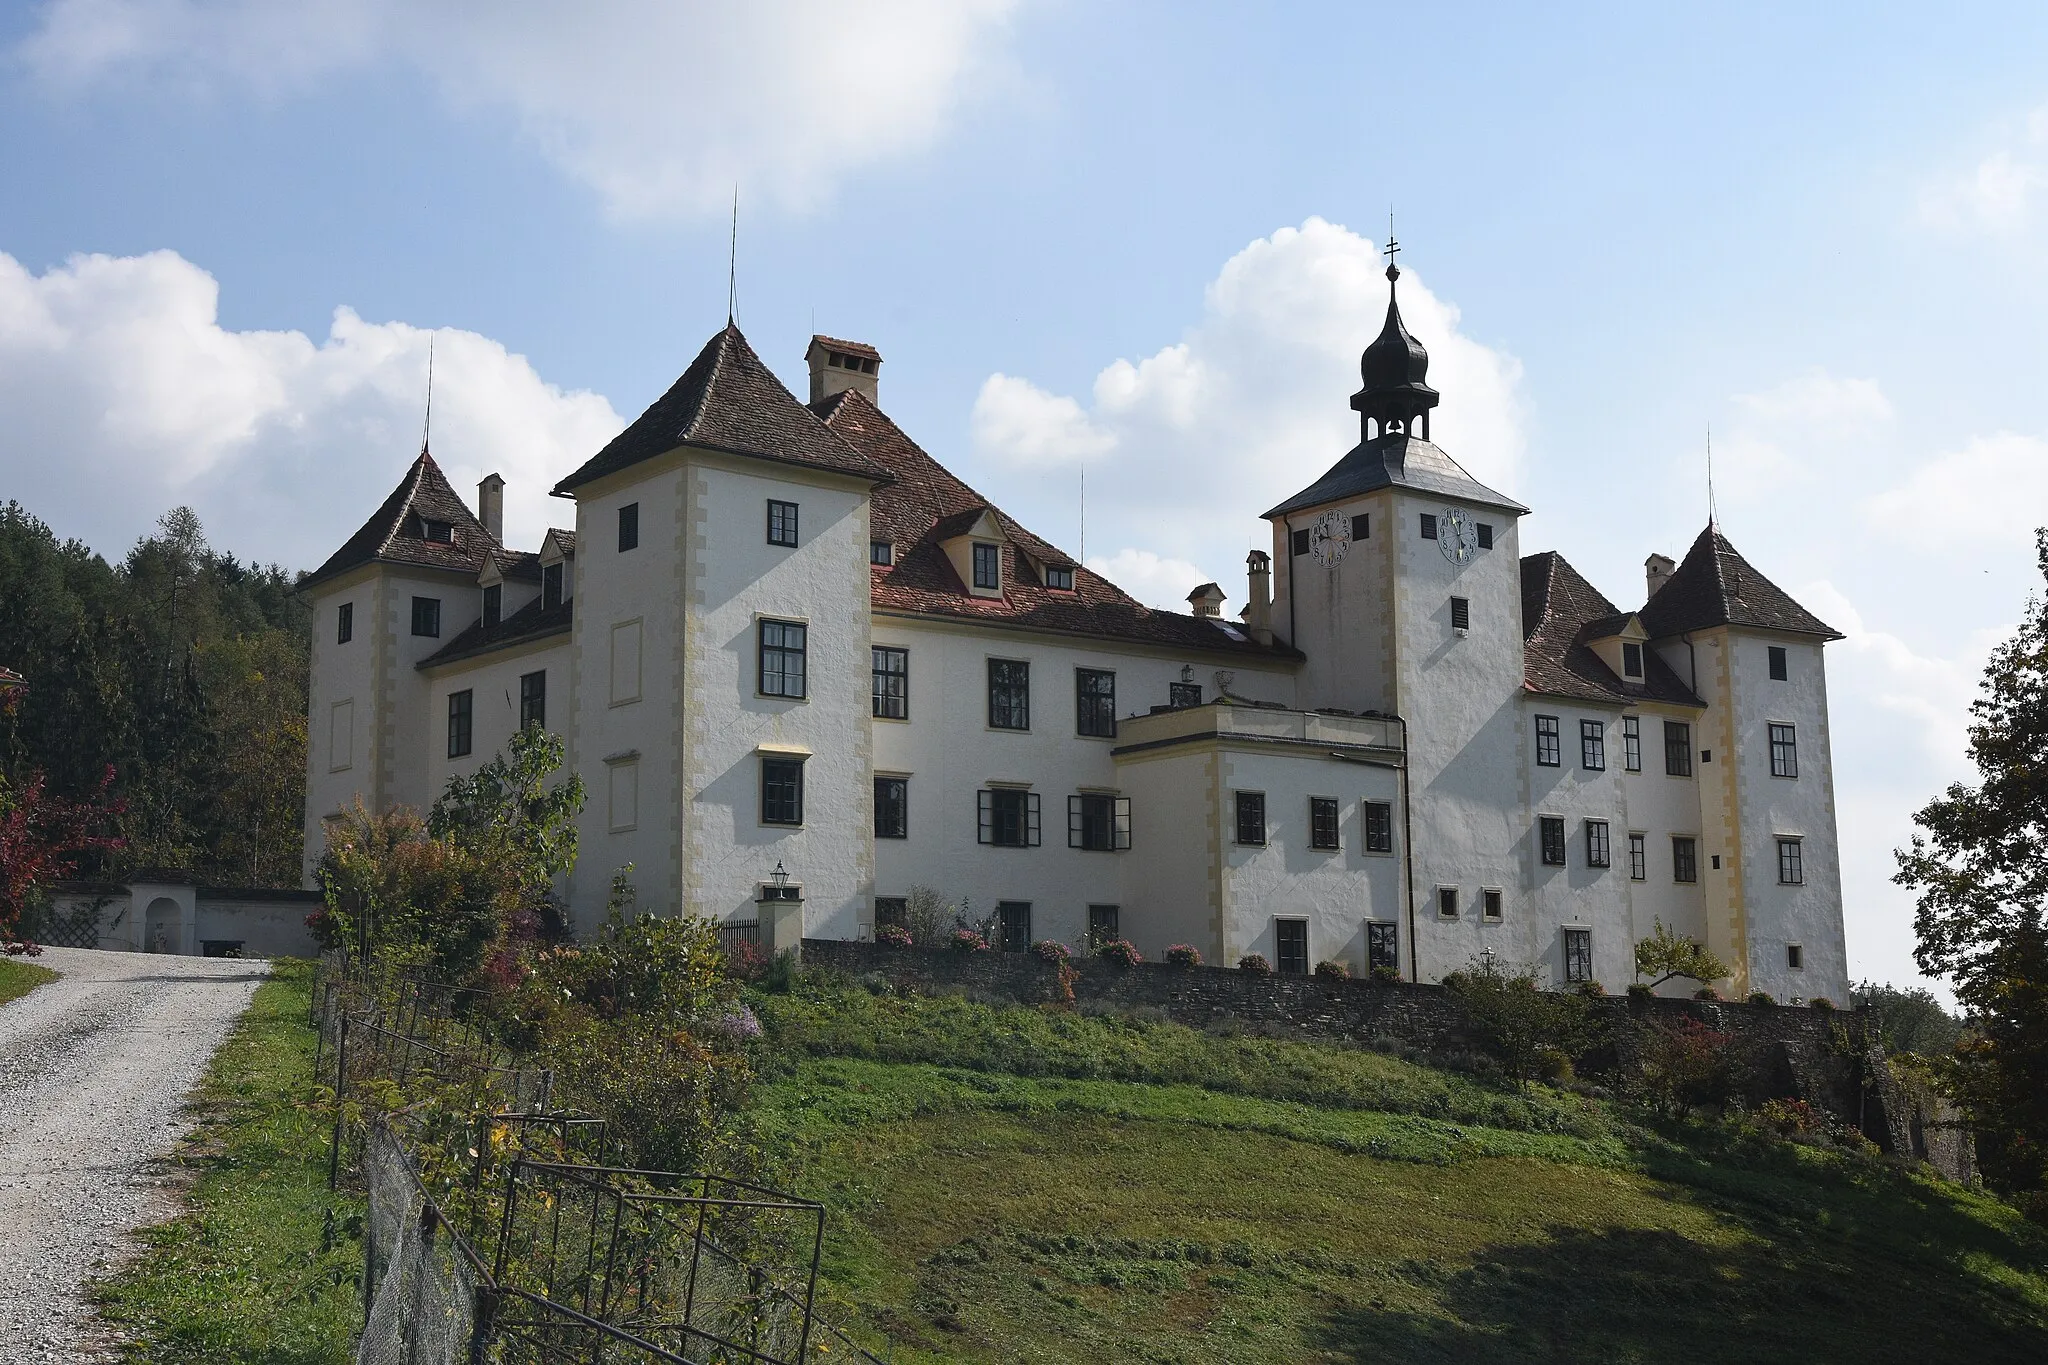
(1984, 499)
(1187, 445)
(660, 107)
(1150, 578)
(1996, 196)
(123, 396)
(1792, 431)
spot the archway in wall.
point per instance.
(162, 926)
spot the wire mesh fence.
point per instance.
(496, 1231)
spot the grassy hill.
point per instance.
(1017, 1184)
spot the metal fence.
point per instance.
(497, 1232)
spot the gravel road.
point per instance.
(94, 1070)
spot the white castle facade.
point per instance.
(782, 635)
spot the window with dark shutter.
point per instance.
(1378, 819)
(344, 623)
(629, 527)
(1429, 526)
(782, 791)
(1677, 748)
(783, 669)
(1779, 671)
(1290, 940)
(1447, 902)
(1596, 843)
(1095, 702)
(1009, 694)
(781, 523)
(890, 671)
(1322, 822)
(1361, 526)
(550, 586)
(1461, 613)
(1099, 822)
(533, 700)
(1550, 828)
(1251, 817)
(1299, 541)
(494, 605)
(1008, 817)
(892, 808)
(1548, 753)
(461, 708)
(1485, 530)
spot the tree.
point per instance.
(397, 894)
(1908, 1019)
(1518, 1019)
(509, 814)
(1665, 955)
(42, 838)
(1980, 868)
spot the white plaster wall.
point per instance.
(1171, 879)
(340, 673)
(1576, 894)
(1660, 806)
(1342, 615)
(406, 733)
(493, 679)
(265, 928)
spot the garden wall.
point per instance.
(1815, 1055)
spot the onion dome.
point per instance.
(1395, 395)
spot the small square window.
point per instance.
(1322, 822)
(1596, 843)
(1429, 526)
(1447, 902)
(1378, 818)
(781, 523)
(1060, 578)
(1299, 542)
(1485, 535)
(892, 808)
(426, 616)
(1461, 613)
(1550, 831)
(881, 552)
(344, 623)
(1290, 940)
(629, 527)
(1578, 955)
(1361, 526)
(988, 567)
(1631, 660)
(1795, 957)
(1489, 904)
(1548, 754)
(782, 791)
(1779, 670)
(1251, 818)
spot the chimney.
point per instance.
(1657, 571)
(1207, 600)
(1258, 611)
(840, 365)
(490, 506)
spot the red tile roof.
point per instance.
(925, 504)
(1561, 615)
(395, 533)
(1715, 586)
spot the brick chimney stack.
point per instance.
(839, 365)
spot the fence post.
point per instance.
(484, 1326)
(340, 1079)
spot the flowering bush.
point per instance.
(967, 941)
(893, 936)
(1184, 955)
(1120, 951)
(741, 1025)
(1329, 969)
(1051, 950)
(1256, 964)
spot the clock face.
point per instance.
(1457, 536)
(1329, 539)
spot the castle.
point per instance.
(1413, 747)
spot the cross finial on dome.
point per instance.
(1392, 246)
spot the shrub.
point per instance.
(1592, 990)
(1820, 1002)
(1706, 993)
(1256, 964)
(1517, 1018)
(1120, 951)
(1791, 1118)
(1184, 955)
(1051, 950)
(1761, 998)
(1641, 990)
(1553, 1065)
(1384, 976)
(893, 936)
(1685, 1065)
(967, 941)
(1329, 969)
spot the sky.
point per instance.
(1136, 242)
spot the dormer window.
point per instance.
(1632, 661)
(1060, 578)
(494, 604)
(550, 586)
(442, 531)
(988, 566)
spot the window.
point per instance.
(1378, 818)
(1322, 822)
(1547, 755)
(782, 659)
(1593, 745)
(550, 586)
(629, 527)
(1485, 535)
(1677, 748)
(781, 523)
(1631, 660)
(461, 706)
(1461, 613)
(1009, 817)
(1095, 702)
(892, 910)
(1429, 526)
(1638, 858)
(1299, 540)
(1596, 843)
(1060, 578)
(494, 604)
(1784, 751)
(442, 532)
(1290, 939)
(533, 700)
(1251, 817)
(426, 616)
(1489, 904)
(881, 552)
(1685, 859)
(1550, 832)
(892, 808)
(1578, 955)
(1791, 865)
(1382, 946)
(988, 566)
(782, 791)
(1009, 694)
(1779, 671)
(1013, 926)
(1632, 743)
(344, 623)
(1183, 694)
(1447, 902)
(1102, 921)
(1361, 526)
(891, 682)
(1795, 957)
(1099, 822)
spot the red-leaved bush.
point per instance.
(42, 837)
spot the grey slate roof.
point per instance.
(531, 622)
(1715, 586)
(728, 400)
(394, 534)
(1396, 460)
(1561, 615)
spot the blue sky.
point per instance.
(1624, 224)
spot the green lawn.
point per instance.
(18, 978)
(251, 1273)
(979, 1214)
